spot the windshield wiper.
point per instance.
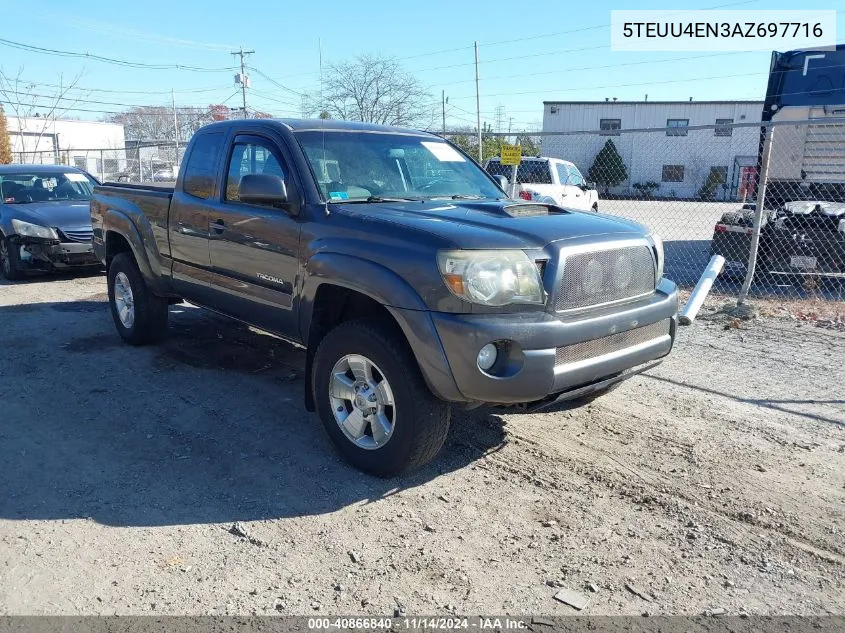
(379, 199)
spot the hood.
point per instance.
(494, 224)
(67, 215)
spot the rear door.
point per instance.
(188, 217)
(253, 248)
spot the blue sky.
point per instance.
(529, 52)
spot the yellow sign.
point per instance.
(511, 155)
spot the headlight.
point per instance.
(26, 229)
(658, 251)
(493, 278)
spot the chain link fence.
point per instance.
(698, 187)
(143, 162)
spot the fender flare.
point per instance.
(357, 274)
(390, 290)
(116, 221)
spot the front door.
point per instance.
(253, 248)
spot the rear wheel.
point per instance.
(9, 260)
(373, 401)
(139, 315)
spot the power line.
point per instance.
(29, 83)
(275, 83)
(110, 60)
(608, 25)
(168, 112)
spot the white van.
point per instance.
(549, 180)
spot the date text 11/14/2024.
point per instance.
(417, 623)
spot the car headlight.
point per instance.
(493, 278)
(657, 241)
(27, 229)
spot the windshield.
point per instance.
(529, 172)
(22, 187)
(371, 165)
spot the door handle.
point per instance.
(218, 226)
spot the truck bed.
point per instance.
(165, 188)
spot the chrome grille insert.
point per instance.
(608, 344)
(76, 236)
(597, 277)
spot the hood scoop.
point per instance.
(531, 210)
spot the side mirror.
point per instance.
(267, 189)
(502, 181)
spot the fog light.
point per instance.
(487, 356)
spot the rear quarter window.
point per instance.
(201, 167)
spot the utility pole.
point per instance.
(478, 107)
(443, 105)
(244, 80)
(175, 128)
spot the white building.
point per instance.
(91, 145)
(679, 159)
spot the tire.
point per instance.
(148, 322)
(420, 421)
(10, 267)
(595, 208)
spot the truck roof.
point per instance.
(299, 125)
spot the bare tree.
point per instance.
(36, 107)
(374, 90)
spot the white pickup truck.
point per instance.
(549, 180)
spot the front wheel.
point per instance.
(373, 401)
(9, 260)
(139, 315)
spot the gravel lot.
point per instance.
(717, 481)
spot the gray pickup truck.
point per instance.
(401, 266)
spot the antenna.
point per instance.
(322, 120)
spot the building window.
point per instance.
(610, 127)
(724, 131)
(553, 109)
(673, 173)
(679, 127)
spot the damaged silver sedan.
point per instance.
(45, 225)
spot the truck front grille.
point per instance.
(83, 236)
(598, 277)
(609, 344)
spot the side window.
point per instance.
(250, 158)
(201, 168)
(575, 177)
(562, 174)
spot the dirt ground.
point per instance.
(715, 482)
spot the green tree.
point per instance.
(468, 141)
(5, 142)
(529, 144)
(714, 179)
(608, 169)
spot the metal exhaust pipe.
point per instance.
(701, 290)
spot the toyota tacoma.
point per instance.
(413, 282)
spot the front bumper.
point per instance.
(543, 354)
(37, 254)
